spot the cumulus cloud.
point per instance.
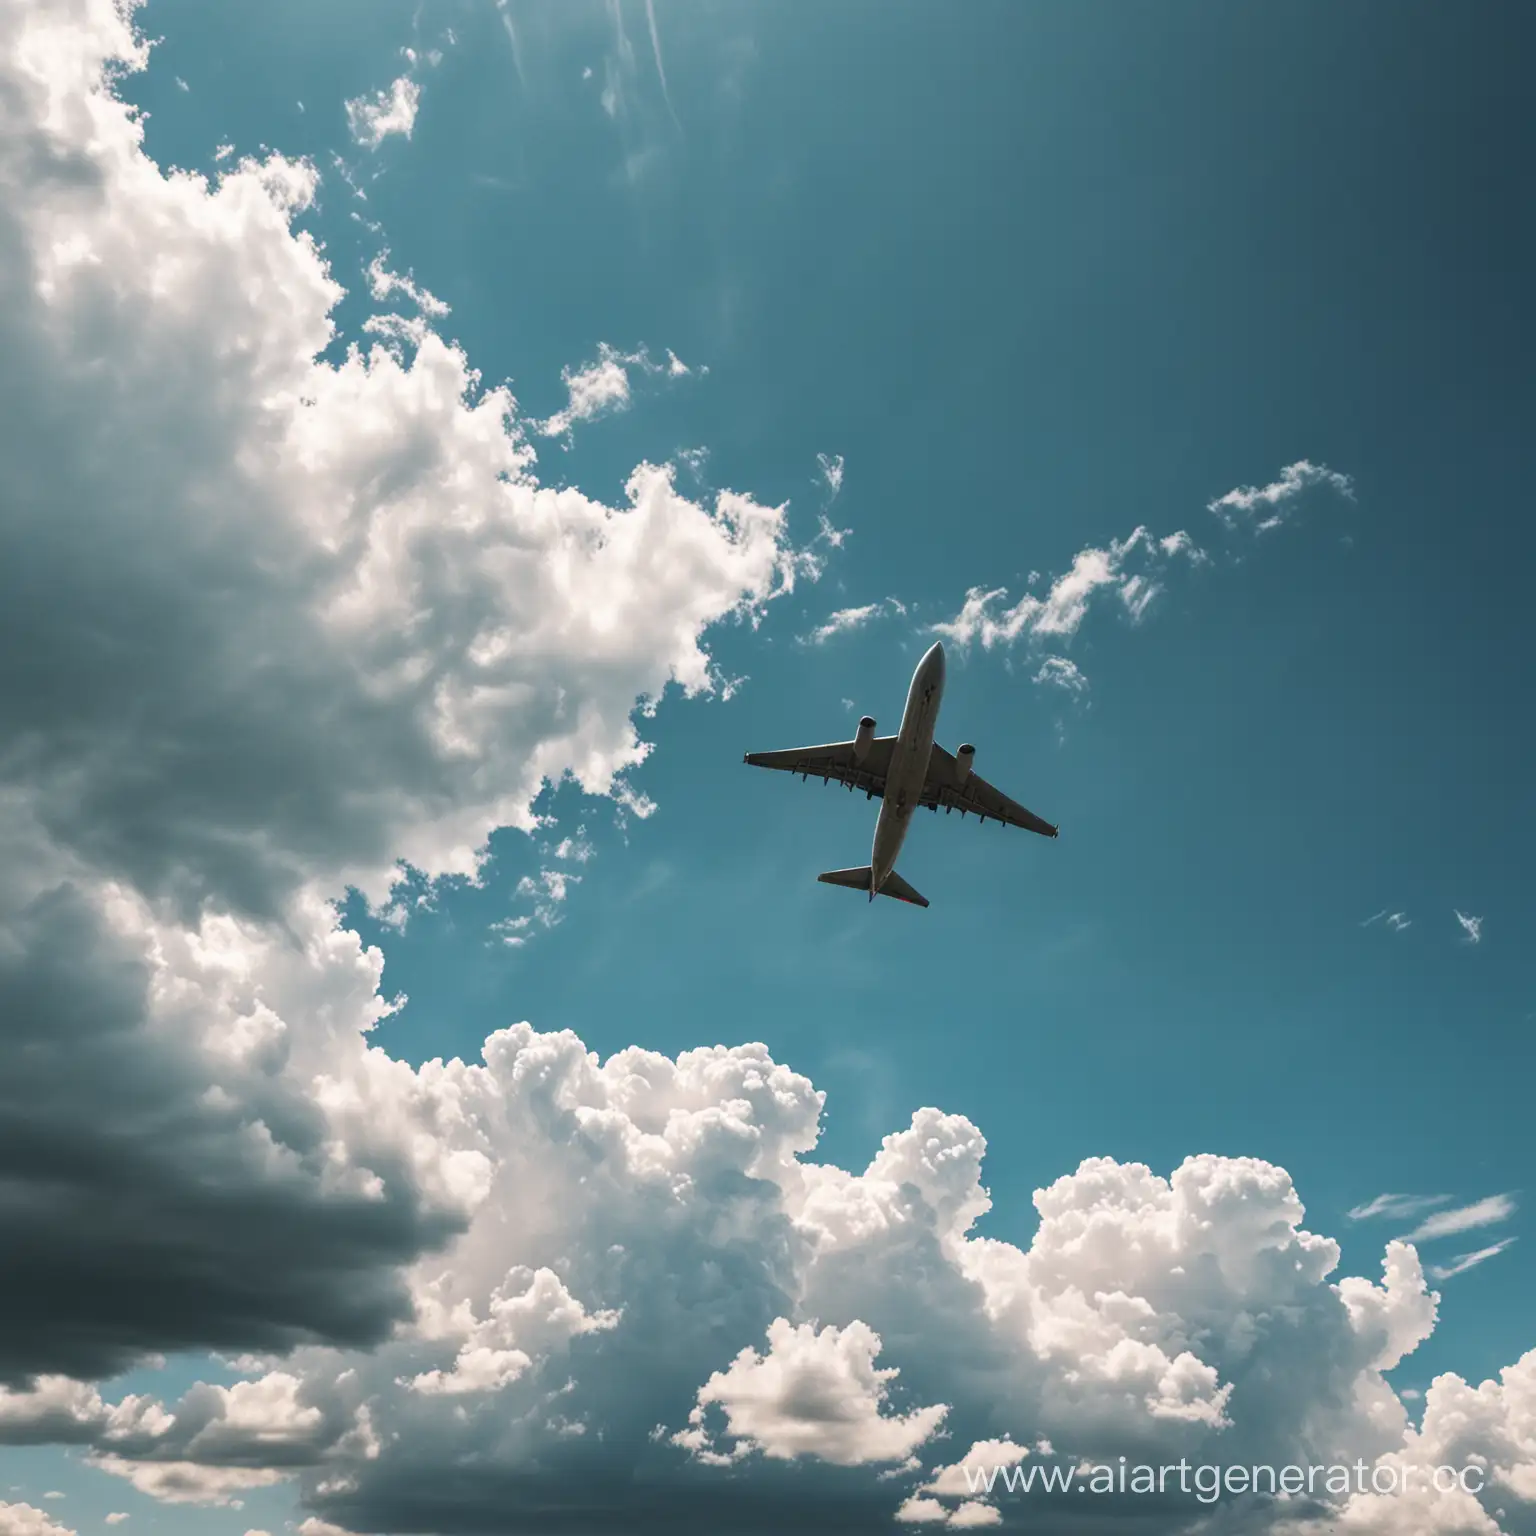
(659, 1292)
(27, 1520)
(1272, 501)
(816, 1392)
(372, 119)
(1489, 1431)
(335, 623)
(977, 1473)
(1058, 672)
(919, 1510)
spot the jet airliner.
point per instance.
(906, 770)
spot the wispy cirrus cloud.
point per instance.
(846, 620)
(1396, 921)
(1471, 928)
(1272, 499)
(831, 467)
(517, 48)
(1465, 1261)
(1399, 1207)
(1124, 567)
(1487, 1212)
(1130, 569)
(661, 69)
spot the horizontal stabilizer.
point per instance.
(858, 880)
(854, 879)
(897, 887)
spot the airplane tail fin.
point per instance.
(858, 880)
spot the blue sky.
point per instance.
(1034, 277)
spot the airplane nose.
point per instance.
(934, 660)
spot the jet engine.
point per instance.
(963, 760)
(865, 735)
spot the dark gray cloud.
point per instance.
(138, 1215)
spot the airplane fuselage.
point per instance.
(909, 766)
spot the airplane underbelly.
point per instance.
(911, 774)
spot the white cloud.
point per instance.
(117, 1517)
(1465, 1261)
(603, 386)
(831, 466)
(987, 618)
(1294, 479)
(981, 1461)
(846, 620)
(576, 849)
(26, 1520)
(186, 1482)
(816, 1392)
(1489, 1430)
(1060, 613)
(527, 1311)
(1396, 921)
(1058, 672)
(834, 537)
(1396, 1206)
(973, 1515)
(599, 387)
(1471, 928)
(1465, 1218)
(384, 284)
(661, 70)
(918, 1510)
(1129, 568)
(372, 119)
(517, 49)
(548, 891)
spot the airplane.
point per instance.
(907, 770)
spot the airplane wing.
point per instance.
(834, 762)
(973, 793)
